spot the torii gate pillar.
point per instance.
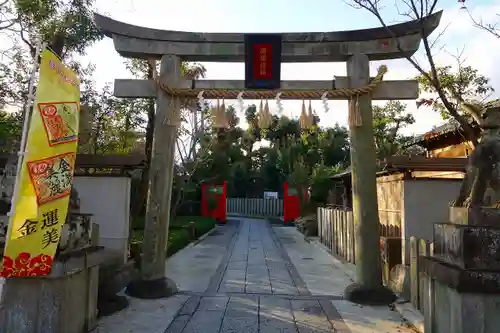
(368, 287)
(152, 282)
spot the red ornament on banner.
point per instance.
(24, 265)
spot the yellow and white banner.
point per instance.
(46, 174)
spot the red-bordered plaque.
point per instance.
(52, 177)
(263, 61)
(60, 120)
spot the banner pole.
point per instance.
(24, 134)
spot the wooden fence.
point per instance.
(255, 207)
(336, 231)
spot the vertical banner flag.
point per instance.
(46, 174)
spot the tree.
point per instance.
(189, 133)
(321, 182)
(388, 121)
(465, 85)
(418, 10)
(10, 128)
(66, 25)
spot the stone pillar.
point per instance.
(368, 287)
(153, 283)
(462, 280)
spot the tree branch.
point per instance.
(433, 77)
(490, 28)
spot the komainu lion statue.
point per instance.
(482, 178)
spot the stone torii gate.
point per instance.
(356, 47)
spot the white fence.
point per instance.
(255, 207)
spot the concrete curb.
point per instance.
(195, 242)
(201, 238)
(348, 268)
(411, 315)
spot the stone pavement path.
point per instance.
(251, 277)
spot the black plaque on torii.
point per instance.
(263, 61)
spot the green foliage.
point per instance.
(66, 25)
(212, 203)
(10, 129)
(465, 84)
(388, 121)
(321, 182)
(115, 123)
(178, 236)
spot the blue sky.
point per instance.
(299, 16)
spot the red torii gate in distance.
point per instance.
(218, 192)
(291, 202)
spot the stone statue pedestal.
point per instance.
(461, 282)
(475, 216)
(65, 301)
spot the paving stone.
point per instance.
(243, 306)
(178, 324)
(258, 279)
(280, 288)
(310, 317)
(238, 257)
(260, 288)
(217, 303)
(257, 270)
(276, 315)
(249, 324)
(205, 321)
(232, 287)
(237, 265)
(190, 306)
(280, 274)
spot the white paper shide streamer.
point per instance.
(279, 103)
(240, 101)
(324, 100)
(201, 100)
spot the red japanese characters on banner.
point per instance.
(263, 61)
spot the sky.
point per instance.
(479, 48)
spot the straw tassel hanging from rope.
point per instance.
(354, 115)
(303, 117)
(265, 117)
(219, 116)
(260, 115)
(310, 116)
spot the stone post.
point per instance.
(153, 283)
(368, 287)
